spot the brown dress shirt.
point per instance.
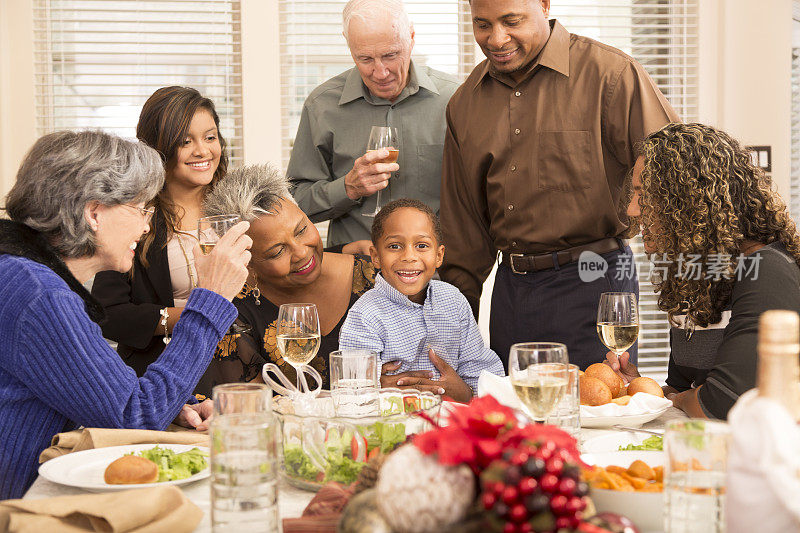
(540, 165)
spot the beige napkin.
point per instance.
(154, 510)
(90, 438)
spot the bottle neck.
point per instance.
(779, 375)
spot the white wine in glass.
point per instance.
(539, 373)
(383, 137)
(211, 229)
(618, 320)
(298, 337)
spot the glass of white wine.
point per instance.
(298, 337)
(211, 229)
(383, 137)
(539, 373)
(618, 320)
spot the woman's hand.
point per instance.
(621, 365)
(224, 270)
(357, 247)
(449, 382)
(196, 415)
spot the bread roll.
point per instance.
(622, 400)
(593, 391)
(643, 384)
(130, 469)
(606, 374)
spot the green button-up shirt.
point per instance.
(333, 133)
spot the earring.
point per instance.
(256, 291)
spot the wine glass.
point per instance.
(298, 337)
(383, 137)
(539, 373)
(618, 320)
(211, 229)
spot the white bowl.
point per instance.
(611, 442)
(634, 421)
(645, 509)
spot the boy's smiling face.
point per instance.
(408, 252)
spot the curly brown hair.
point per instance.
(703, 197)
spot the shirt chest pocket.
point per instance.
(565, 160)
(429, 170)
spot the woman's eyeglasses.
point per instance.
(146, 213)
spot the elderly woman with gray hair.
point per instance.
(78, 207)
(288, 266)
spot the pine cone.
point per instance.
(368, 476)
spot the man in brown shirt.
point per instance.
(540, 139)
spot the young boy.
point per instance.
(423, 329)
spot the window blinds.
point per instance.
(97, 61)
(662, 36)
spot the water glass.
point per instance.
(355, 382)
(567, 413)
(244, 466)
(696, 453)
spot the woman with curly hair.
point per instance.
(726, 250)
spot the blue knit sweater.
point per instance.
(57, 372)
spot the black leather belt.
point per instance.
(524, 263)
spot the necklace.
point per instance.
(186, 256)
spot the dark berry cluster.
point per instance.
(533, 489)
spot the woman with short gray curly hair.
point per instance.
(79, 207)
(288, 265)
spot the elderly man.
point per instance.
(540, 140)
(332, 177)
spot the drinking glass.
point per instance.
(244, 465)
(355, 382)
(383, 137)
(298, 337)
(618, 320)
(539, 373)
(566, 414)
(211, 229)
(696, 453)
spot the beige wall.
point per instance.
(17, 107)
(745, 75)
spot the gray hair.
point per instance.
(375, 10)
(249, 191)
(66, 170)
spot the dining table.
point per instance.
(292, 501)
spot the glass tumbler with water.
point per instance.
(355, 382)
(567, 413)
(696, 453)
(244, 481)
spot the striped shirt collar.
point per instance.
(393, 295)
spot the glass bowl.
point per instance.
(318, 447)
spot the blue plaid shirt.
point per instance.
(385, 320)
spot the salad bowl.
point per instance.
(317, 446)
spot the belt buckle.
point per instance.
(511, 262)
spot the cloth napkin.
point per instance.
(90, 438)
(322, 513)
(503, 392)
(763, 486)
(152, 510)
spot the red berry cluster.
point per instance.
(533, 489)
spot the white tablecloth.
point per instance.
(291, 501)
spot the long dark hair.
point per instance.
(163, 124)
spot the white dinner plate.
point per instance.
(85, 469)
(625, 420)
(612, 441)
(645, 509)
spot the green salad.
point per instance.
(341, 450)
(654, 443)
(173, 466)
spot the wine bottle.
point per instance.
(779, 359)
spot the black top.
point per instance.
(241, 357)
(133, 301)
(723, 357)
